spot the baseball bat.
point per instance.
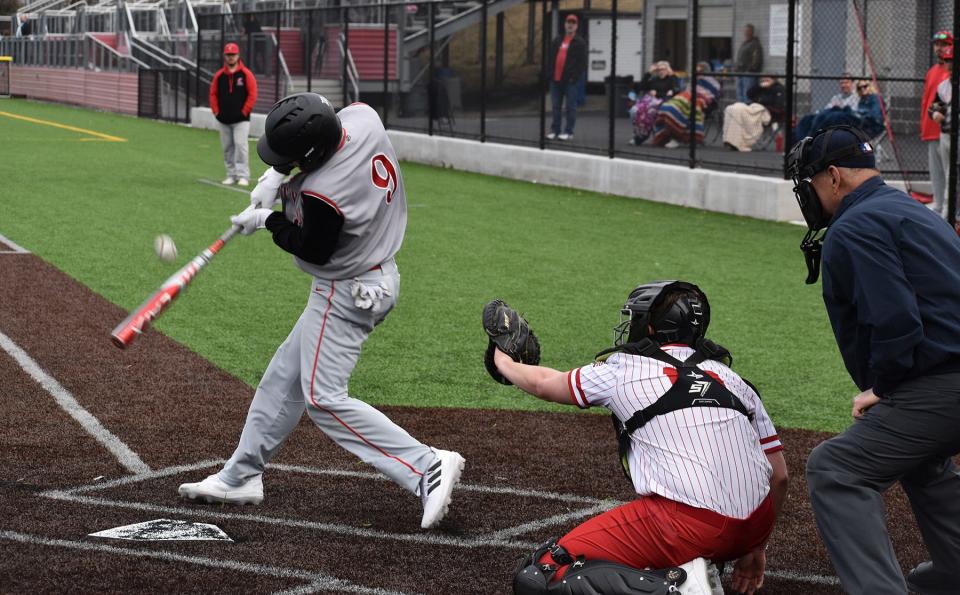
(138, 320)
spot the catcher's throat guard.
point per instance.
(806, 159)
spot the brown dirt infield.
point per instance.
(316, 532)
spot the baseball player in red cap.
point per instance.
(233, 92)
(929, 128)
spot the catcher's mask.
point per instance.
(685, 321)
(301, 129)
(840, 146)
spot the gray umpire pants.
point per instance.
(236, 149)
(310, 372)
(908, 437)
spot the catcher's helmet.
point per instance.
(301, 128)
(683, 321)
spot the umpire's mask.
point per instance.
(840, 146)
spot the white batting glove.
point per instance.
(250, 220)
(265, 195)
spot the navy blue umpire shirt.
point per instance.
(891, 285)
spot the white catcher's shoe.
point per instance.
(213, 490)
(703, 578)
(436, 486)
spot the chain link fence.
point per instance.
(697, 83)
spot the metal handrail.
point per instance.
(353, 75)
(283, 62)
(119, 57)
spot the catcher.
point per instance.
(694, 440)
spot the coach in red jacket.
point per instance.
(233, 92)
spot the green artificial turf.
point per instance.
(565, 258)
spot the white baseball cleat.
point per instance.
(243, 182)
(703, 578)
(436, 486)
(212, 489)
(228, 181)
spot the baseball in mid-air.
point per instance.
(165, 248)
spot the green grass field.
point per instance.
(566, 258)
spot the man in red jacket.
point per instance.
(233, 92)
(929, 129)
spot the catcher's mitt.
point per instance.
(511, 333)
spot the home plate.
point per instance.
(165, 530)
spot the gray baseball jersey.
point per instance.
(362, 182)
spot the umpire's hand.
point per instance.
(864, 401)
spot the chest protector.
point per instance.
(693, 388)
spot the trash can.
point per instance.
(620, 88)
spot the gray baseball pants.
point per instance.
(937, 176)
(236, 149)
(909, 437)
(310, 372)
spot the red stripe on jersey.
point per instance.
(776, 448)
(573, 395)
(313, 400)
(325, 199)
(769, 439)
(583, 396)
(671, 373)
(715, 376)
(343, 138)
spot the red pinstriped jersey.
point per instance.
(706, 457)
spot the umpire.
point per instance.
(891, 286)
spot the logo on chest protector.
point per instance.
(700, 387)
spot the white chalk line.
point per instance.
(14, 247)
(499, 538)
(204, 511)
(505, 534)
(571, 498)
(68, 403)
(816, 579)
(241, 189)
(318, 580)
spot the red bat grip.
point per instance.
(126, 332)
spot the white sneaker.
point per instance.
(436, 486)
(703, 578)
(213, 490)
(565, 136)
(672, 144)
(552, 136)
(228, 181)
(243, 182)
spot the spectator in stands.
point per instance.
(672, 126)
(233, 93)
(940, 113)
(846, 98)
(657, 85)
(749, 59)
(929, 128)
(869, 112)
(568, 58)
(743, 122)
(25, 28)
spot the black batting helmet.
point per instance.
(683, 321)
(301, 128)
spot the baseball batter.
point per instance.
(343, 220)
(695, 442)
